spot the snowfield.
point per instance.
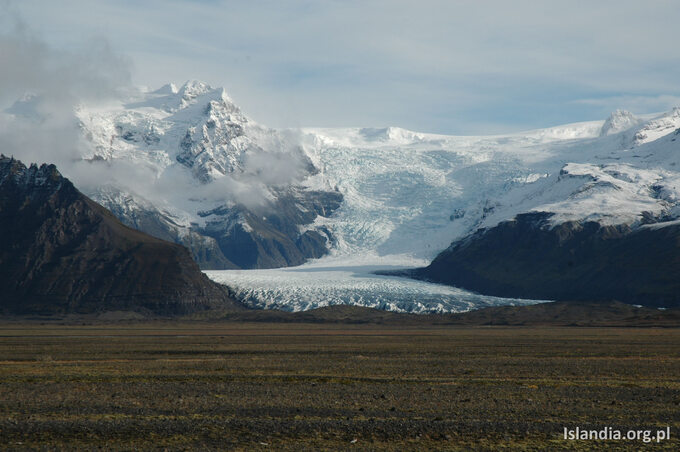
(408, 195)
(412, 193)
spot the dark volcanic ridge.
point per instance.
(526, 258)
(60, 252)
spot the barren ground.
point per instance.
(272, 386)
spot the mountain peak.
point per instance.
(46, 176)
(658, 127)
(619, 121)
(171, 99)
(194, 88)
(27, 107)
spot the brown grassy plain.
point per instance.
(272, 386)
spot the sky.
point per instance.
(454, 67)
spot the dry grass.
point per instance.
(239, 386)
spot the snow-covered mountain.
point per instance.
(186, 164)
(198, 127)
(414, 193)
(597, 220)
(407, 196)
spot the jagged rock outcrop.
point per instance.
(60, 252)
(619, 121)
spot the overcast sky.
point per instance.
(458, 67)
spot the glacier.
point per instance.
(336, 281)
(408, 195)
(189, 153)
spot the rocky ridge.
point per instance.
(60, 252)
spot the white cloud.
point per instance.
(42, 126)
(58, 80)
(380, 62)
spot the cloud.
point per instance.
(380, 62)
(29, 64)
(42, 126)
(51, 82)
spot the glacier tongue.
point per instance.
(412, 193)
(351, 280)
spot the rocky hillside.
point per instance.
(574, 260)
(60, 252)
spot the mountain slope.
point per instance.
(61, 252)
(571, 261)
(414, 193)
(602, 228)
(206, 176)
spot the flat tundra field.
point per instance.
(268, 386)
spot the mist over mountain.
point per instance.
(186, 165)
